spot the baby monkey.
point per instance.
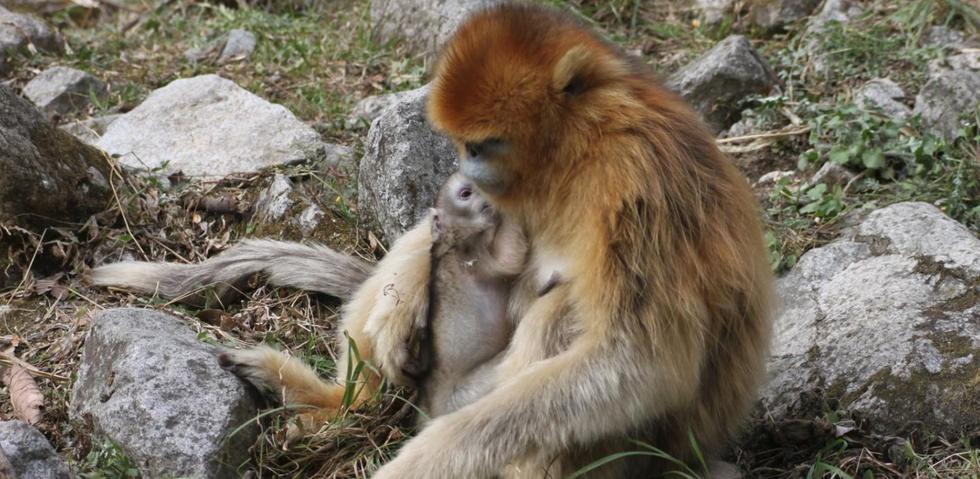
(476, 257)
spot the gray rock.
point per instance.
(91, 129)
(886, 320)
(832, 12)
(714, 11)
(716, 82)
(48, 175)
(209, 127)
(947, 38)
(968, 60)
(884, 95)
(309, 219)
(371, 107)
(946, 96)
(775, 14)
(338, 156)
(238, 46)
(29, 453)
(841, 11)
(404, 164)
(274, 201)
(146, 383)
(832, 174)
(774, 177)
(61, 90)
(18, 31)
(423, 24)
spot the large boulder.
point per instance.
(404, 164)
(47, 176)
(149, 385)
(715, 83)
(949, 94)
(61, 90)
(422, 24)
(19, 31)
(29, 453)
(887, 321)
(209, 127)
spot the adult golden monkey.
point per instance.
(661, 323)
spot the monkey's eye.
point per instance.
(465, 193)
(476, 149)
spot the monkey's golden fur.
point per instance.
(661, 323)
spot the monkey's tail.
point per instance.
(307, 267)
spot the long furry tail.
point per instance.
(307, 267)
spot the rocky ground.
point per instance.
(168, 130)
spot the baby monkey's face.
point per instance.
(461, 201)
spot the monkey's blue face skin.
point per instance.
(483, 166)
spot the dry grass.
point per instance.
(319, 64)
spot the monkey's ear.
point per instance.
(436, 224)
(584, 66)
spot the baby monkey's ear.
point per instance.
(437, 226)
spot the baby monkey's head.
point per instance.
(462, 216)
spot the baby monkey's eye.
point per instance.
(465, 193)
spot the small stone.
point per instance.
(338, 156)
(371, 107)
(309, 219)
(833, 11)
(91, 129)
(424, 25)
(715, 83)
(968, 60)
(774, 177)
(832, 174)
(239, 45)
(29, 452)
(61, 90)
(946, 96)
(841, 11)
(946, 38)
(274, 201)
(404, 164)
(714, 11)
(18, 30)
(209, 127)
(776, 14)
(884, 95)
(146, 383)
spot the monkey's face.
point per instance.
(463, 203)
(518, 89)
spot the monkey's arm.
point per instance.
(607, 381)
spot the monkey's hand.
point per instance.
(398, 306)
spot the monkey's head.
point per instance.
(461, 213)
(521, 89)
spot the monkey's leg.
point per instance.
(603, 384)
(392, 301)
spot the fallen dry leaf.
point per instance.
(25, 396)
